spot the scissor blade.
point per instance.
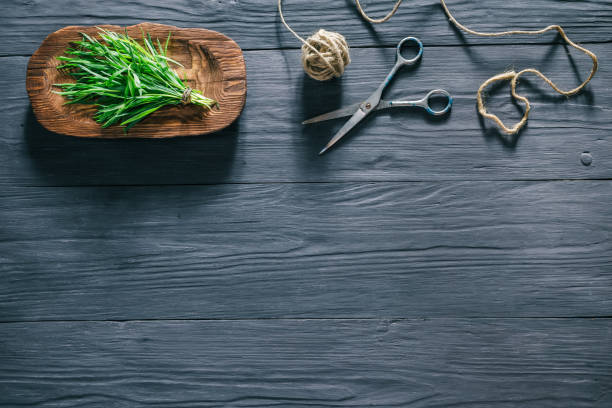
(355, 119)
(338, 113)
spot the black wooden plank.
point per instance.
(307, 250)
(309, 363)
(268, 143)
(254, 24)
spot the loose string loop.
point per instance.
(378, 20)
(514, 76)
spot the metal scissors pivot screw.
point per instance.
(374, 102)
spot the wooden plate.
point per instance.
(212, 62)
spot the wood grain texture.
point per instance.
(254, 24)
(506, 249)
(531, 363)
(268, 143)
(483, 265)
(211, 62)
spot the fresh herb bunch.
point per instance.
(125, 80)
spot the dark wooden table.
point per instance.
(422, 263)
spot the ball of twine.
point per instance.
(325, 54)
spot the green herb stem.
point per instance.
(126, 81)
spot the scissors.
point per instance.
(374, 102)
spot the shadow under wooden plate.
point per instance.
(212, 63)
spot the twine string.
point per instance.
(186, 99)
(378, 20)
(514, 76)
(313, 49)
(325, 55)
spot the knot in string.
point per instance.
(186, 99)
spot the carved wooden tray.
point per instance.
(212, 62)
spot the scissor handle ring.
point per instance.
(435, 92)
(405, 61)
